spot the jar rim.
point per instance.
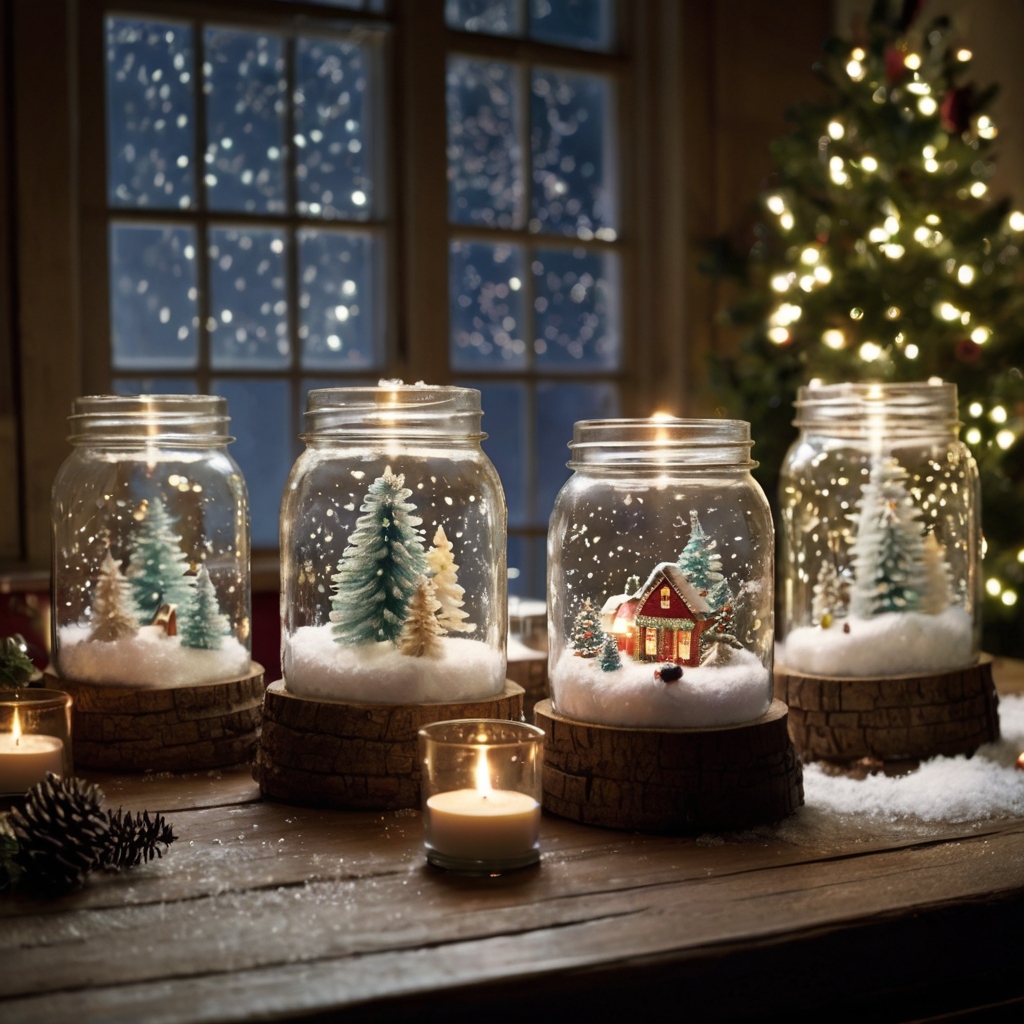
(849, 406)
(392, 408)
(444, 733)
(41, 698)
(189, 420)
(662, 441)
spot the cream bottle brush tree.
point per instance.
(114, 613)
(444, 573)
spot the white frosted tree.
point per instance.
(380, 569)
(114, 614)
(158, 566)
(421, 630)
(831, 592)
(445, 576)
(889, 552)
(202, 625)
(938, 589)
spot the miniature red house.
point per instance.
(663, 621)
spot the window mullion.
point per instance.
(292, 237)
(202, 240)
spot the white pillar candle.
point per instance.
(25, 758)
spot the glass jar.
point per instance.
(35, 738)
(150, 521)
(660, 596)
(880, 518)
(393, 550)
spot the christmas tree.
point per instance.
(938, 593)
(114, 613)
(420, 631)
(445, 576)
(702, 566)
(610, 660)
(889, 553)
(202, 624)
(380, 569)
(157, 568)
(831, 593)
(586, 635)
(882, 258)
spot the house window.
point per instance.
(535, 240)
(683, 638)
(651, 643)
(665, 598)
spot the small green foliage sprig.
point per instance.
(16, 668)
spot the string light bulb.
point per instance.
(978, 189)
(810, 255)
(993, 586)
(779, 335)
(980, 335)
(998, 414)
(836, 130)
(975, 409)
(869, 351)
(927, 106)
(912, 61)
(965, 274)
(870, 164)
(780, 283)
(973, 436)
(786, 221)
(857, 53)
(964, 55)
(1016, 221)
(911, 351)
(1005, 439)
(834, 339)
(855, 69)
(776, 204)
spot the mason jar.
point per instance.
(150, 526)
(660, 560)
(393, 550)
(880, 516)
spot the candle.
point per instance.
(483, 824)
(26, 758)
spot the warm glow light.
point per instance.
(965, 275)
(929, 153)
(922, 234)
(807, 282)
(834, 339)
(780, 283)
(776, 204)
(869, 351)
(911, 351)
(16, 727)
(894, 252)
(948, 311)
(855, 69)
(932, 218)
(927, 106)
(836, 130)
(661, 415)
(1016, 221)
(869, 163)
(1009, 597)
(1020, 556)
(993, 586)
(856, 313)
(973, 436)
(892, 312)
(964, 55)
(786, 221)
(809, 255)
(975, 408)
(978, 189)
(823, 274)
(931, 166)
(482, 775)
(986, 127)
(878, 235)
(857, 53)
(912, 61)
(998, 415)
(1005, 439)
(779, 335)
(980, 335)
(892, 225)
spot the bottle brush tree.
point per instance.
(158, 567)
(203, 626)
(114, 614)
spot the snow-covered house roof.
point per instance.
(612, 605)
(676, 579)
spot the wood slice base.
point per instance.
(678, 781)
(901, 718)
(179, 729)
(337, 754)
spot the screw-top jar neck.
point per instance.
(190, 421)
(867, 410)
(409, 412)
(661, 443)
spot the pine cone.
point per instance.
(62, 833)
(136, 839)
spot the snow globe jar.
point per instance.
(660, 559)
(880, 582)
(151, 609)
(393, 550)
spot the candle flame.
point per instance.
(16, 728)
(483, 776)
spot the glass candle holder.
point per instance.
(880, 512)
(35, 738)
(481, 789)
(660, 566)
(393, 550)
(150, 524)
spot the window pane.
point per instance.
(260, 420)
(485, 284)
(332, 136)
(244, 83)
(573, 168)
(338, 309)
(576, 304)
(557, 407)
(491, 17)
(248, 310)
(582, 24)
(485, 178)
(150, 111)
(505, 422)
(155, 386)
(154, 319)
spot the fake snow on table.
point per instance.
(150, 658)
(948, 789)
(707, 695)
(891, 644)
(378, 673)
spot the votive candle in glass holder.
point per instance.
(35, 738)
(481, 794)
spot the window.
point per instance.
(666, 598)
(535, 257)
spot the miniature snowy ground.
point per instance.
(316, 666)
(150, 658)
(705, 696)
(893, 644)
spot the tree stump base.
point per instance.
(176, 729)
(337, 754)
(899, 718)
(676, 781)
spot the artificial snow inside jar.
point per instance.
(393, 550)
(150, 525)
(880, 513)
(660, 596)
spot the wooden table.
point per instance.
(263, 911)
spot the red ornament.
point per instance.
(967, 351)
(895, 69)
(956, 110)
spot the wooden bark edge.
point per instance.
(678, 781)
(898, 718)
(347, 755)
(176, 729)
